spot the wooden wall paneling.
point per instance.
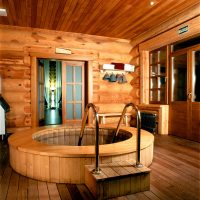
(20, 97)
(15, 71)
(10, 54)
(135, 51)
(187, 14)
(116, 88)
(16, 88)
(19, 115)
(34, 96)
(27, 60)
(144, 77)
(17, 85)
(18, 121)
(172, 35)
(49, 52)
(135, 82)
(24, 36)
(63, 57)
(114, 57)
(20, 108)
(135, 56)
(135, 61)
(41, 43)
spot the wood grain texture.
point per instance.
(172, 36)
(117, 179)
(187, 14)
(65, 164)
(174, 175)
(119, 19)
(20, 48)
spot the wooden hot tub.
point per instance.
(51, 153)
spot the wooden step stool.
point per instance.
(117, 179)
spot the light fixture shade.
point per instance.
(119, 78)
(113, 78)
(124, 80)
(106, 77)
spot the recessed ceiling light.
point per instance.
(3, 12)
(152, 3)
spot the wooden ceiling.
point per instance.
(112, 18)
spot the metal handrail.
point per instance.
(97, 169)
(138, 164)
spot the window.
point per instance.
(158, 76)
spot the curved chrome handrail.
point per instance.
(138, 164)
(97, 169)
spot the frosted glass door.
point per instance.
(73, 91)
(40, 93)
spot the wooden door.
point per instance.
(72, 91)
(41, 93)
(184, 120)
(194, 93)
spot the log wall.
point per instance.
(19, 45)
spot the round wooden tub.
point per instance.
(51, 153)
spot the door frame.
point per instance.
(34, 83)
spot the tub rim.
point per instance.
(23, 141)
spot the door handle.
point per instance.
(189, 96)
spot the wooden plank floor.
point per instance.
(175, 175)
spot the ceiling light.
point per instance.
(153, 2)
(3, 12)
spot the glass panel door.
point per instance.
(178, 120)
(73, 91)
(41, 108)
(195, 95)
(196, 77)
(184, 115)
(179, 78)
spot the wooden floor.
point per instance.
(175, 175)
